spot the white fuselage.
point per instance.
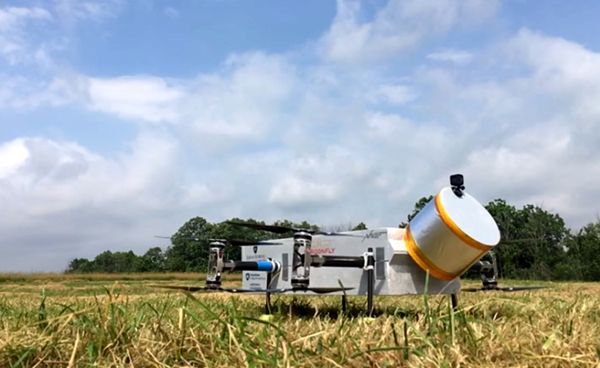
(395, 271)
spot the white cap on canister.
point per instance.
(469, 216)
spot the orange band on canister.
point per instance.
(455, 229)
(422, 260)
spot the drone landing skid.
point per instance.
(505, 288)
(316, 290)
(205, 289)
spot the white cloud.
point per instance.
(457, 57)
(540, 165)
(242, 102)
(20, 40)
(14, 45)
(12, 18)
(58, 198)
(134, 98)
(397, 27)
(25, 93)
(12, 155)
(34, 40)
(541, 143)
(57, 176)
(33, 43)
(563, 68)
(293, 191)
(396, 94)
(148, 99)
(72, 11)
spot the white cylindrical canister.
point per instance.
(450, 234)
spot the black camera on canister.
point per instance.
(457, 182)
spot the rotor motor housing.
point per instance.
(215, 264)
(301, 260)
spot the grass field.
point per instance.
(120, 321)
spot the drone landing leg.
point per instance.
(370, 281)
(370, 294)
(344, 303)
(454, 299)
(267, 303)
(268, 295)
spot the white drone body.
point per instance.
(395, 271)
(448, 236)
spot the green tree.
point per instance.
(360, 226)
(126, 262)
(153, 260)
(80, 265)
(116, 262)
(189, 249)
(508, 250)
(533, 240)
(104, 262)
(584, 253)
(545, 234)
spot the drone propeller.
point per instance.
(317, 290)
(280, 229)
(505, 289)
(234, 242)
(237, 242)
(170, 237)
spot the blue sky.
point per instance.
(186, 38)
(122, 119)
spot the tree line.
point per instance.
(535, 244)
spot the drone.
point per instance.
(446, 238)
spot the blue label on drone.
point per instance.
(265, 266)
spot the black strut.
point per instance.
(268, 295)
(370, 280)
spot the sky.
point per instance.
(121, 120)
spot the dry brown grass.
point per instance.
(128, 324)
